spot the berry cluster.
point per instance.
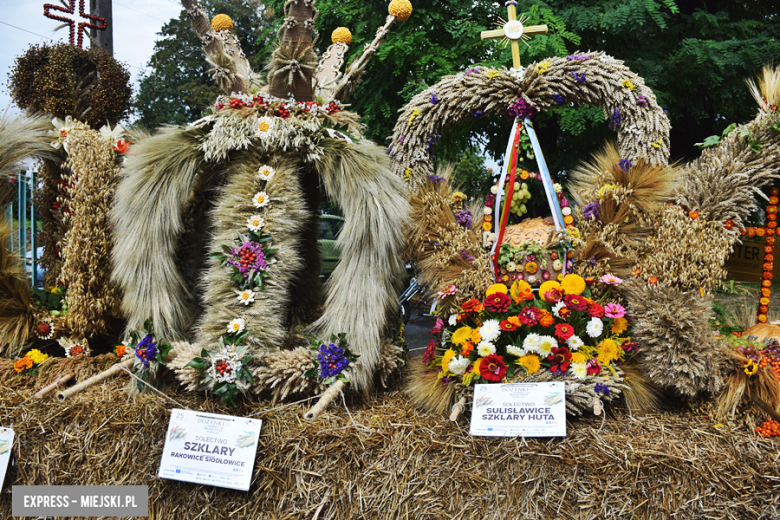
(771, 361)
(282, 111)
(332, 108)
(770, 428)
(247, 256)
(44, 329)
(237, 103)
(223, 368)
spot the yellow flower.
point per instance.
(37, 356)
(493, 74)
(657, 144)
(604, 189)
(627, 83)
(518, 288)
(459, 196)
(401, 9)
(476, 337)
(415, 113)
(542, 67)
(475, 370)
(407, 174)
(445, 360)
(573, 232)
(608, 351)
(222, 22)
(530, 362)
(341, 35)
(573, 284)
(619, 325)
(578, 357)
(549, 285)
(496, 288)
(462, 335)
(750, 367)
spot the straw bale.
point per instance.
(385, 459)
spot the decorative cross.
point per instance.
(71, 23)
(513, 31)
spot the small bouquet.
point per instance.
(149, 354)
(29, 363)
(227, 367)
(248, 259)
(331, 360)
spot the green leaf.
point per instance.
(204, 353)
(227, 249)
(310, 373)
(729, 129)
(197, 363)
(712, 140)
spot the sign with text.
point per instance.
(519, 409)
(211, 449)
(746, 263)
(6, 442)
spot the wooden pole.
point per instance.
(457, 409)
(324, 401)
(92, 381)
(43, 392)
(104, 39)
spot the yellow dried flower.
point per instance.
(401, 9)
(341, 35)
(37, 356)
(415, 113)
(493, 74)
(627, 83)
(542, 67)
(222, 22)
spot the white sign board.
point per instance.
(519, 409)
(212, 449)
(6, 442)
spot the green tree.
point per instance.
(177, 86)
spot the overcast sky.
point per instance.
(136, 24)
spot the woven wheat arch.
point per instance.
(593, 78)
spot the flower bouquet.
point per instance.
(148, 354)
(249, 259)
(513, 333)
(227, 367)
(331, 360)
(29, 363)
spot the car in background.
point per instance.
(330, 228)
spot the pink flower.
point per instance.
(614, 310)
(449, 290)
(611, 280)
(437, 328)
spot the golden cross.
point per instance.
(513, 31)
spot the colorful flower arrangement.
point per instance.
(74, 347)
(513, 333)
(226, 368)
(30, 361)
(149, 353)
(331, 360)
(248, 260)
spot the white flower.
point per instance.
(490, 330)
(487, 211)
(225, 366)
(255, 223)
(236, 326)
(453, 320)
(531, 279)
(494, 189)
(515, 351)
(579, 370)
(558, 188)
(595, 328)
(109, 135)
(459, 365)
(60, 132)
(558, 306)
(531, 342)
(511, 267)
(265, 173)
(557, 266)
(485, 348)
(260, 199)
(566, 211)
(246, 296)
(264, 126)
(517, 73)
(574, 342)
(546, 344)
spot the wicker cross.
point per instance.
(513, 31)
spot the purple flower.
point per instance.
(592, 210)
(579, 76)
(520, 110)
(564, 201)
(146, 350)
(624, 164)
(332, 360)
(641, 100)
(615, 120)
(464, 254)
(389, 150)
(578, 57)
(559, 99)
(478, 113)
(600, 387)
(247, 258)
(472, 70)
(436, 179)
(401, 139)
(464, 218)
(434, 99)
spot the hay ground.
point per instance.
(385, 459)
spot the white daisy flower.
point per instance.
(265, 173)
(485, 348)
(517, 73)
(255, 223)
(558, 188)
(459, 365)
(595, 328)
(246, 296)
(453, 320)
(558, 306)
(487, 211)
(546, 344)
(60, 132)
(112, 136)
(515, 351)
(531, 343)
(264, 126)
(579, 370)
(490, 330)
(566, 211)
(574, 342)
(260, 199)
(236, 326)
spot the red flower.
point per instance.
(560, 358)
(509, 326)
(473, 305)
(553, 296)
(530, 316)
(575, 303)
(564, 331)
(497, 302)
(595, 310)
(493, 369)
(430, 352)
(122, 146)
(593, 367)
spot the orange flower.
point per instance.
(763, 301)
(771, 209)
(636, 272)
(652, 280)
(771, 224)
(767, 275)
(468, 347)
(760, 232)
(762, 318)
(763, 309)
(770, 231)
(771, 242)
(122, 146)
(751, 231)
(773, 200)
(531, 267)
(769, 258)
(768, 249)
(120, 351)
(554, 255)
(693, 214)
(767, 266)
(486, 218)
(766, 292)
(23, 364)
(774, 191)
(546, 320)
(729, 224)
(524, 174)
(570, 254)
(766, 283)
(487, 226)
(771, 216)
(568, 219)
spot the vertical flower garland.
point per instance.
(768, 233)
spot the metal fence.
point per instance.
(22, 241)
